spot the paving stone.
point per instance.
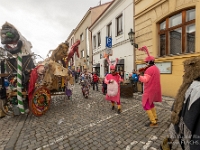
(66, 145)
(48, 148)
(101, 128)
(86, 148)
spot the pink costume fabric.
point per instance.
(113, 89)
(152, 87)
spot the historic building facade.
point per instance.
(169, 29)
(82, 33)
(114, 23)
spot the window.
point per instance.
(177, 33)
(109, 30)
(99, 39)
(82, 54)
(94, 42)
(119, 25)
(72, 41)
(81, 37)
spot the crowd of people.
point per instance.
(185, 115)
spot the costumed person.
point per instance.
(152, 88)
(86, 82)
(36, 74)
(113, 86)
(69, 84)
(185, 116)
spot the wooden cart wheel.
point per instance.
(40, 102)
(6, 107)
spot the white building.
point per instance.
(116, 22)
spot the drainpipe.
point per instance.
(91, 46)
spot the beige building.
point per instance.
(169, 29)
(82, 33)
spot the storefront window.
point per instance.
(177, 33)
(120, 70)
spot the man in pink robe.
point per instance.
(152, 90)
(113, 88)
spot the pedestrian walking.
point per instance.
(134, 78)
(113, 86)
(152, 88)
(95, 81)
(104, 86)
(185, 116)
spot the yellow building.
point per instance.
(169, 29)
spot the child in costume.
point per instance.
(152, 88)
(113, 86)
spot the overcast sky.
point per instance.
(45, 23)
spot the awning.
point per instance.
(96, 65)
(120, 62)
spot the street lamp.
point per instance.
(131, 35)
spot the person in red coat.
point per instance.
(113, 86)
(95, 79)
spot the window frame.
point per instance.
(81, 37)
(167, 30)
(99, 39)
(72, 41)
(94, 42)
(119, 31)
(82, 53)
(109, 30)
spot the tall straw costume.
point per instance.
(185, 117)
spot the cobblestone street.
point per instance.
(86, 124)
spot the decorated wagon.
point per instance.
(26, 86)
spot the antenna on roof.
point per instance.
(100, 2)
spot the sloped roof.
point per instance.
(88, 12)
(102, 13)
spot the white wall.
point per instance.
(122, 48)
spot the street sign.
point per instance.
(108, 52)
(108, 42)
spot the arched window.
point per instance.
(177, 33)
